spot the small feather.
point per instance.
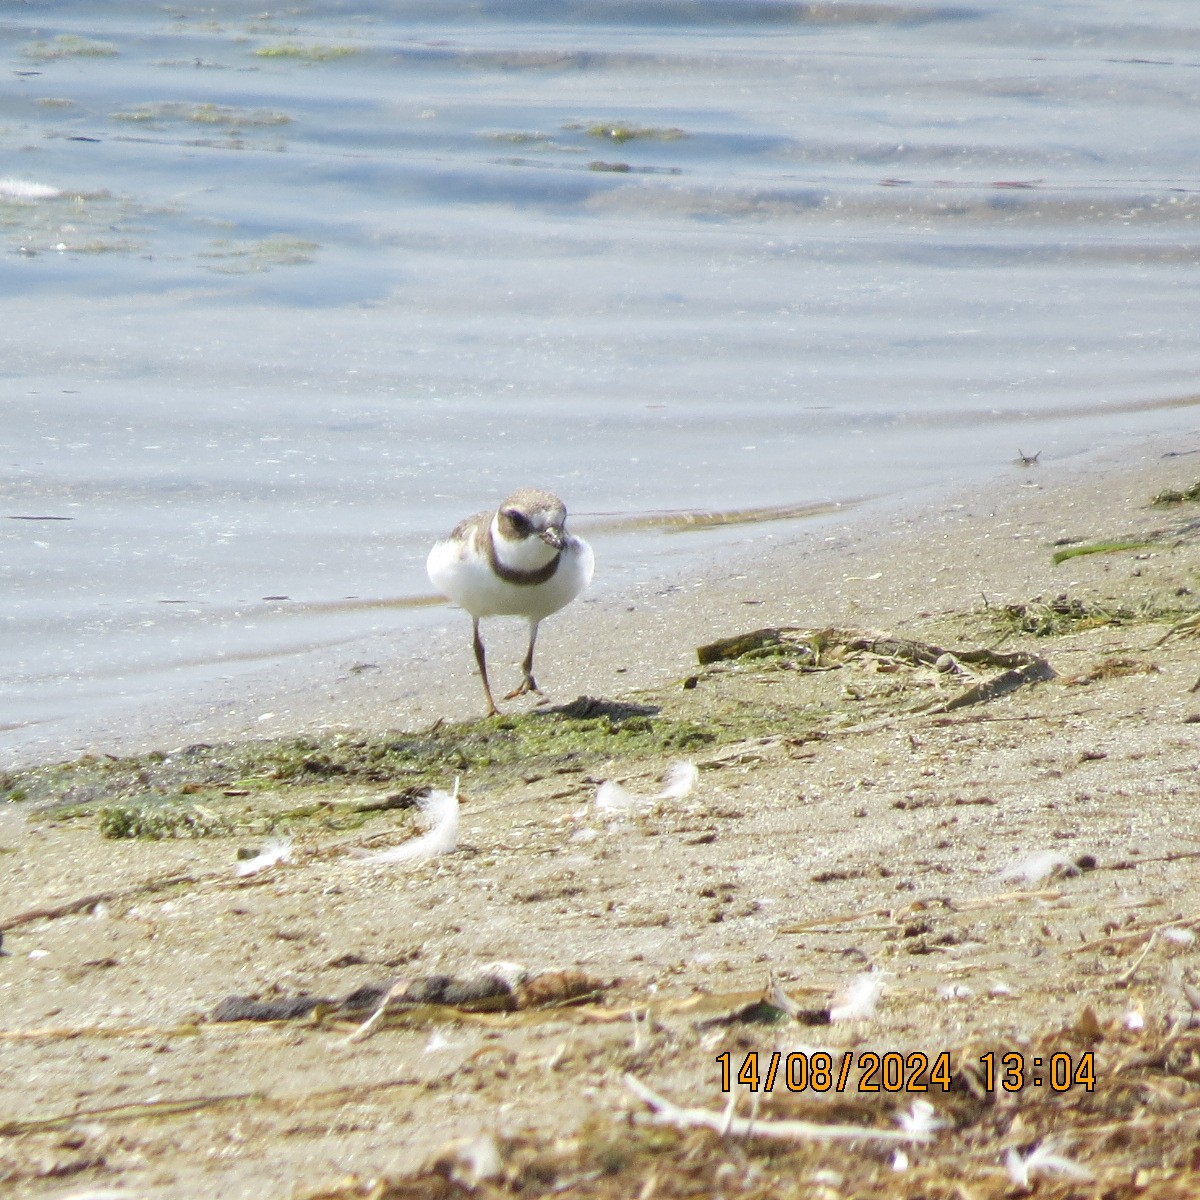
(679, 781)
(437, 1041)
(1043, 1160)
(1042, 865)
(858, 999)
(921, 1120)
(441, 810)
(479, 1160)
(277, 851)
(613, 798)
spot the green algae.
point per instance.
(155, 822)
(1061, 556)
(770, 686)
(227, 257)
(72, 223)
(203, 114)
(620, 132)
(308, 54)
(67, 45)
(520, 138)
(1172, 496)
(1064, 614)
(208, 790)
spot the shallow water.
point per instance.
(320, 282)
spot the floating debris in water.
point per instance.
(232, 258)
(25, 189)
(203, 114)
(308, 54)
(68, 45)
(620, 132)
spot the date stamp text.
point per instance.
(868, 1071)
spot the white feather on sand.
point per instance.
(921, 1120)
(1042, 1160)
(1039, 866)
(276, 851)
(440, 809)
(613, 798)
(679, 781)
(857, 1000)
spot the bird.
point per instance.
(518, 561)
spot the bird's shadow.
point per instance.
(587, 708)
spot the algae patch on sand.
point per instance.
(494, 752)
(1172, 496)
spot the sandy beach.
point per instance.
(945, 808)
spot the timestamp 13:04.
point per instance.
(869, 1071)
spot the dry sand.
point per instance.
(850, 832)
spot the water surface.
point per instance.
(285, 295)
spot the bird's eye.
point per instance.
(518, 520)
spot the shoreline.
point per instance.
(805, 573)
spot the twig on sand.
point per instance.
(1132, 935)
(67, 1033)
(190, 1104)
(49, 912)
(819, 924)
(1130, 971)
(129, 1112)
(726, 1124)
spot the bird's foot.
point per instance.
(529, 685)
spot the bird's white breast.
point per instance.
(459, 568)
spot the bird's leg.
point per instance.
(481, 659)
(529, 684)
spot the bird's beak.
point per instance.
(552, 536)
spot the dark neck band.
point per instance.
(512, 574)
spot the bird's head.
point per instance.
(533, 513)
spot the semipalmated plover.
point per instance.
(516, 562)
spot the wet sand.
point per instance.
(842, 823)
(877, 563)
